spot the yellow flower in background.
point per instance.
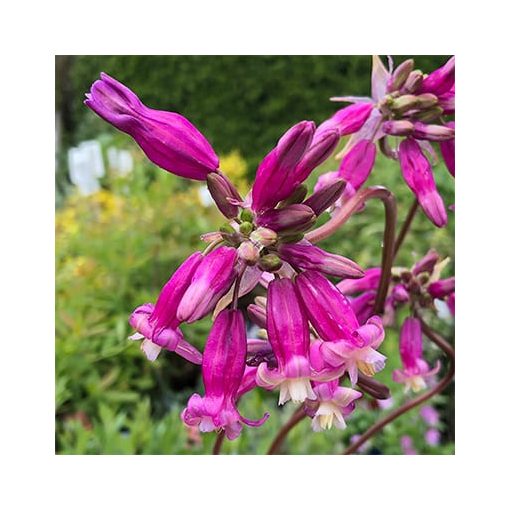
(235, 167)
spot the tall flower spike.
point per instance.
(417, 173)
(168, 139)
(274, 180)
(223, 368)
(415, 369)
(289, 336)
(211, 281)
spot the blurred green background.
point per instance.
(116, 248)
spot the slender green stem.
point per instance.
(209, 248)
(293, 421)
(445, 381)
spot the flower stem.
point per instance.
(445, 381)
(218, 443)
(209, 248)
(298, 415)
(405, 226)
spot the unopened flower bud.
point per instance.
(400, 75)
(223, 192)
(398, 127)
(403, 103)
(246, 228)
(424, 101)
(246, 215)
(297, 196)
(293, 218)
(264, 236)
(427, 263)
(227, 229)
(326, 196)
(248, 252)
(429, 115)
(257, 315)
(433, 132)
(413, 82)
(270, 262)
(291, 238)
(374, 388)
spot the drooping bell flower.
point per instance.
(417, 173)
(168, 139)
(274, 179)
(343, 343)
(168, 338)
(442, 288)
(289, 336)
(211, 281)
(158, 324)
(223, 367)
(415, 369)
(332, 405)
(308, 256)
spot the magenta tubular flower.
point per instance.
(168, 139)
(275, 180)
(323, 144)
(326, 195)
(222, 371)
(451, 303)
(415, 369)
(348, 120)
(427, 263)
(169, 338)
(442, 288)
(370, 281)
(441, 80)
(363, 305)
(158, 324)
(333, 404)
(344, 343)
(356, 166)
(211, 281)
(417, 173)
(448, 151)
(289, 337)
(307, 256)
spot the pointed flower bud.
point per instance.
(307, 256)
(415, 369)
(323, 144)
(398, 127)
(293, 218)
(289, 336)
(413, 82)
(370, 281)
(222, 370)
(224, 194)
(433, 132)
(270, 262)
(257, 315)
(442, 288)
(168, 139)
(374, 388)
(427, 263)
(263, 236)
(274, 180)
(441, 80)
(211, 281)
(348, 120)
(248, 252)
(417, 173)
(298, 195)
(400, 75)
(326, 196)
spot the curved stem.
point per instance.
(405, 226)
(445, 381)
(210, 247)
(293, 421)
(218, 443)
(390, 210)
